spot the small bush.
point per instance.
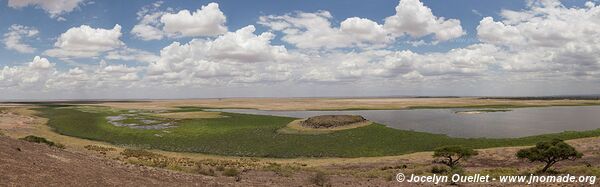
(320, 179)
(439, 169)
(139, 153)
(37, 139)
(99, 148)
(220, 168)
(231, 172)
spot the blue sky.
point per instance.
(105, 14)
(382, 57)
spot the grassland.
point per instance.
(256, 135)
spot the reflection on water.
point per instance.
(516, 123)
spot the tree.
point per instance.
(549, 152)
(450, 155)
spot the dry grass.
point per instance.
(190, 115)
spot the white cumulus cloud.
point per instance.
(55, 8)
(13, 39)
(34, 74)
(239, 56)
(417, 20)
(315, 30)
(547, 38)
(155, 24)
(85, 41)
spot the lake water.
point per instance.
(516, 123)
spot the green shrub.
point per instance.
(231, 172)
(37, 139)
(220, 168)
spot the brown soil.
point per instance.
(29, 164)
(331, 121)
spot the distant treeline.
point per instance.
(548, 98)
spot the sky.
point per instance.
(90, 49)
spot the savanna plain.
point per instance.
(189, 142)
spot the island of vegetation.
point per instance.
(331, 121)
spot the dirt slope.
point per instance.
(28, 164)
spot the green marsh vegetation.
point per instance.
(257, 136)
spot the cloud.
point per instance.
(101, 77)
(315, 30)
(417, 20)
(149, 24)
(55, 8)
(32, 75)
(42, 76)
(377, 64)
(206, 21)
(13, 38)
(154, 24)
(547, 38)
(239, 56)
(131, 54)
(85, 41)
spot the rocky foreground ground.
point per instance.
(29, 164)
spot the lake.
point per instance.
(518, 122)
